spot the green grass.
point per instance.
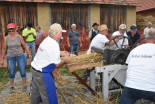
(65, 72)
(4, 75)
(28, 69)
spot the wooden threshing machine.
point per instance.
(113, 67)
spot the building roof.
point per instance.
(145, 5)
(115, 2)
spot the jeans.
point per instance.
(30, 45)
(74, 48)
(11, 63)
(130, 95)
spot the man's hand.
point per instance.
(57, 76)
(120, 37)
(66, 60)
(33, 34)
(29, 56)
(73, 55)
(69, 45)
(29, 34)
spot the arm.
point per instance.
(68, 41)
(65, 61)
(65, 53)
(68, 36)
(3, 51)
(90, 34)
(56, 74)
(26, 36)
(144, 32)
(34, 36)
(24, 45)
(116, 36)
(112, 42)
(80, 39)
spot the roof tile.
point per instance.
(116, 2)
(145, 5)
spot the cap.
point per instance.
(11, 26)
(95, 24)
(103, 27)
(149, 23)
(122, 26)
(133, 28)
(56, 28)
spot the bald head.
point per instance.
(151, 34)
(150, 37)
(38, 28)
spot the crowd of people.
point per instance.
(44, 62)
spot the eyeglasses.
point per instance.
(11, 31)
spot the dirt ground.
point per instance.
(72, 92)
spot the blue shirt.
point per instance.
(73, 37)
(133, 38)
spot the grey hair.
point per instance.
(50, 32)
(73, 25)
(39, 27)
(151, 34)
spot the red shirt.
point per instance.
(39, 37)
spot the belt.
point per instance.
(30, 41)
(38, 70)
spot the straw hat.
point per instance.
(103, 27)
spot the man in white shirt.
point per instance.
(94, 31)
(140, 81)
(121, 32)
(43, 66)
(98, 41)
(148, 28)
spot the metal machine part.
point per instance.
(114, 66)
(112, 55)
(138, 41)
(122, 46)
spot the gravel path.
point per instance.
(18, 85)
(70, 87)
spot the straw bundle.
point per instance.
(85, 61)
(142, 21)
(86, 58)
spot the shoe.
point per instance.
(24, 88)
(11, 89)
